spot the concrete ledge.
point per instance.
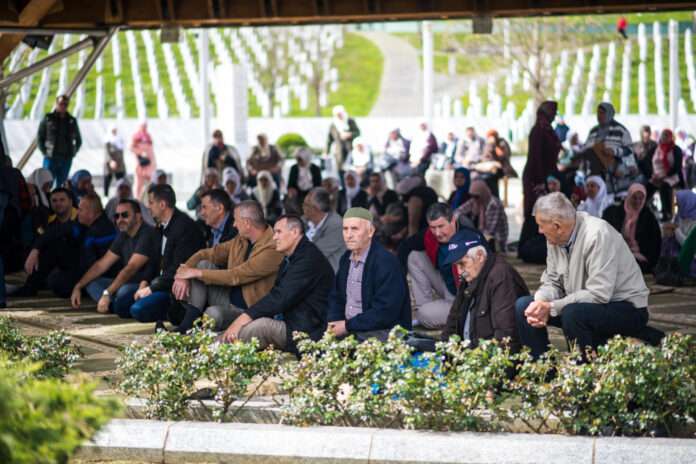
(192, 442)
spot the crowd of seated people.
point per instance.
(270, 251)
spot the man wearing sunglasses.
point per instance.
(134, 247)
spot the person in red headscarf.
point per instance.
(637, 226)
(667, 172)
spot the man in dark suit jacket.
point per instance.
(324, 225)
(219, 223)
(300, 293)
(370, 294)
(179, 238)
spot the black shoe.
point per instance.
(192, 314)
(159, 326)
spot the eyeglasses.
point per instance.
(123, 215)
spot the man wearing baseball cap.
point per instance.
(484, 307)
(370, 294)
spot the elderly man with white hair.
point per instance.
(592, 286)
(484, 307)
(370, 294)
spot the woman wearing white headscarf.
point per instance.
(266, 194)
(113, 157)
(422, 147)
(597, 199)
(304, 176)
(360, 158)
(124, 190)
(233, 185)
(41, 180)
(342, 132)
(353, 195)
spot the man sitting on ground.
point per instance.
(231, 276)
(215, 211)
(62, 207)
(324, 225)
(485, 303)
(370, 294)
(179, 237)
(300, 293)
(592, 286)
(72, 247)
(134, 247)
(424, 255)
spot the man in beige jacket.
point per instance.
(592, 286)
(231, 276)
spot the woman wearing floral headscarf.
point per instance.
(266, 194)
(638, 226)
(487, 212)
(232, 184)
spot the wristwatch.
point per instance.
(553, 310)
(106, 293)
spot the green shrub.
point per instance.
(46, 420)
(165, 371)
(288, 143)
(54, 351)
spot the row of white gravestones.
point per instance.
(80, 100)
(191, 70)
(559, 82)
(660, 100)
(37, 108)
(690, 69)
(625, 98)
(116, 55)
(610, 71)
(574, 88)
(588, 103)
(475, 108)
(120, 101)
(182, 104)
(135, 74)
(25, 90)
(642, 39)
(99, 98)
(642, 89)
(152, 64)
(63, 77)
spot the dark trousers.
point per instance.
(665, 196)
(57, 255)
(107, 180)
(584, 324)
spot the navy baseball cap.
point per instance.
(461, 243)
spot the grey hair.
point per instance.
(474, 251)
(251, 209)
(321, 199)
(554, 207)
(438, 210)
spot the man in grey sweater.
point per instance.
(592, 286)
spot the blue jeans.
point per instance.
(151, 308)
(584, 324)
(60, 168)
(122, 300)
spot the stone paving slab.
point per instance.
(193, 442)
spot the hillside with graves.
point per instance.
(290, 71)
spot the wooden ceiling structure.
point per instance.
(197, 13)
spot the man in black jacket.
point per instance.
(215, 211)
(300, 293)
(179, 238)
(72, 247)
(59, 140)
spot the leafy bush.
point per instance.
(46, 420)
(54, 351)
(166, 370)
(288, 143)
(626, 389)
(376, 384)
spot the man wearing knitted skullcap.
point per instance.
(370, 294)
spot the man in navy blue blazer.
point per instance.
(370, 294)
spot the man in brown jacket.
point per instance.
(231, 276)
(484, 307)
